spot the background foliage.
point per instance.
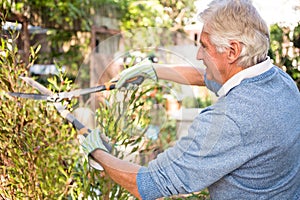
(285, 49)
(65, 21)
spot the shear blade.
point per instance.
(29, 96)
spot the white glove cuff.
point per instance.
(94, 164)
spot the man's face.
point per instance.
(215, 62)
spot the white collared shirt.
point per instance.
(250, 72)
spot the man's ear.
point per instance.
(234, 51)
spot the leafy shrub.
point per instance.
(38, 157)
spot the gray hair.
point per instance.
(228, 20)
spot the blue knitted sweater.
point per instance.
(245, 146)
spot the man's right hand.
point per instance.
(144, 68)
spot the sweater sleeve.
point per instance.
(209, 152)
(146, 185)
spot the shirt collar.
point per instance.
(249, 72)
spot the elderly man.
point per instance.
(246, 145)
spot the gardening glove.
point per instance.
(144, 68)
(89, 144)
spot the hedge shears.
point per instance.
(56, 99)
